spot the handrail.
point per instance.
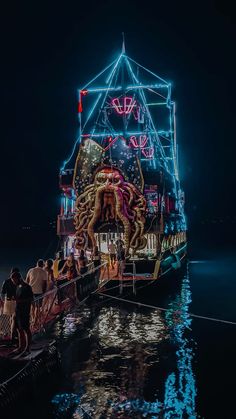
(69, 282)
(51, 303)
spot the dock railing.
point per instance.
(64, 296)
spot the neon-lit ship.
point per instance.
(121, 180)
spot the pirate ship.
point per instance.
(121, 181)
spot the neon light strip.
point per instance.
(166, 133)
(117, 134)
(129, 103)
(174, 168)
(109, 80)
(171, 116)
(102, 89)
(83, 88)
(103, 71)
(150, 117)
(111, 143)
(123, 108)
(148, 86)
(149, 71)
(66, 161)
(133, 87)
(110, 77)
(138, 142)
(175, 144)
(156, 103)
(92, 110)
(148, 152)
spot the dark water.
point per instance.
(124, 361)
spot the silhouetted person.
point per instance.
(58, 265)
(120, 259)
(50, 277)
(112, 253)
(70, 267)
(8, 294)
(83, 261)
(96, 257)
(24, 298)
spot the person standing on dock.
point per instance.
(58, 265)
(8, 294)
(70, 267)
(48, 299)
(50, 277)
(37, 279)
(24, 298)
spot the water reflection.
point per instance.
(180, 386)
(136, 363)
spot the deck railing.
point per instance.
(65, 294)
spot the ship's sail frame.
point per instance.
(133, 92)
(105, 83)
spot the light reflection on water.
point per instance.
(133, 363)
(180, 387)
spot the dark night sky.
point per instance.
(48, 52)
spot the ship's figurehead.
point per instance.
(110, 199)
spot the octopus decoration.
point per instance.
(110, 199)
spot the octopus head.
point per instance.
(110, 199)
(109, 178)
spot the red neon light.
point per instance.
(81, 93)
(111, 142)
(139, 142)
(148, 152)
(124, 105)
(154, 203)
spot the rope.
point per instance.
(166, 309)
(14, 376)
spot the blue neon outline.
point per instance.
(149, 71)
(150, 117)
(101, 89)
(109, 80)
(91, 112)
(71, 155)
(99, 74)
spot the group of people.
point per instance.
(18, 297)
(24, 300)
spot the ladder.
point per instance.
(133, 274)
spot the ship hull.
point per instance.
(171, 266)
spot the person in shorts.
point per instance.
(37, 278)
(8, 294)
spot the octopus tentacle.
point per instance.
(123, 218)
(128, 207)
(95, 216)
